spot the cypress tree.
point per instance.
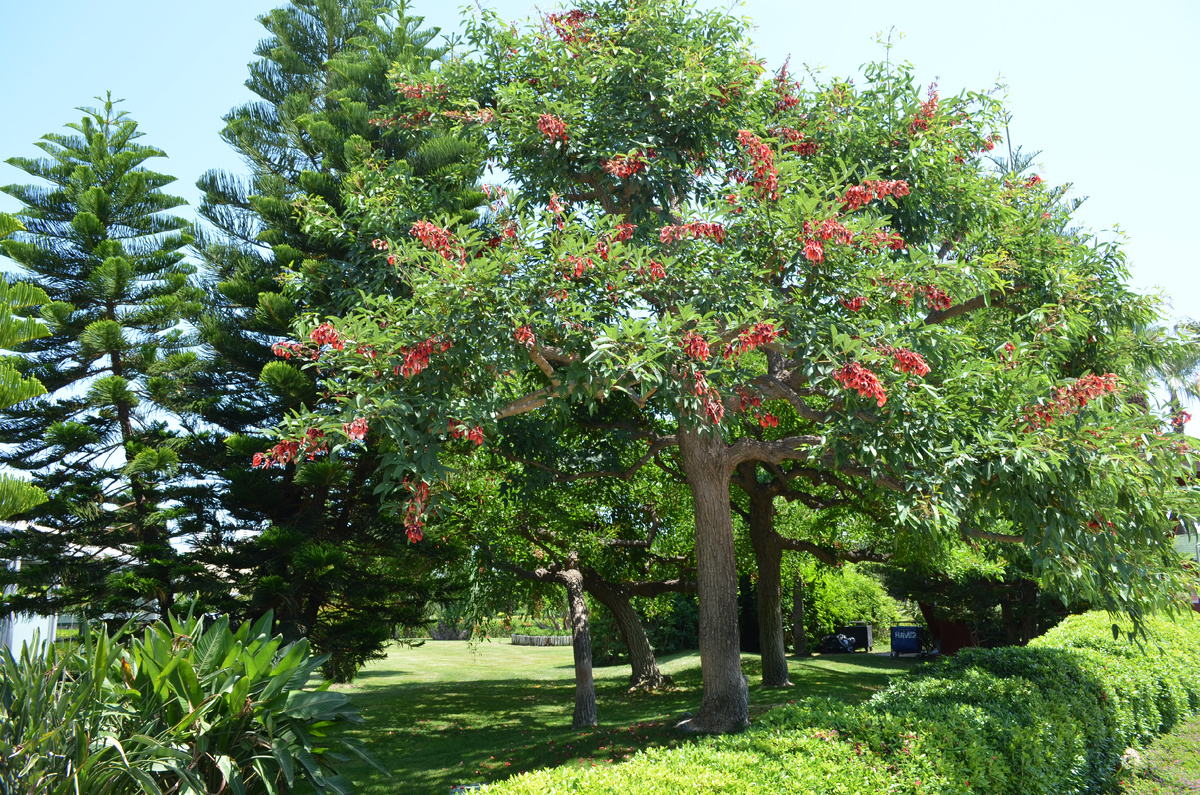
(101, 244)
(307, 541)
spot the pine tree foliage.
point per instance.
(106, 256)
(307, 541)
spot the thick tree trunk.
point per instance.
(768, 556)
(725, 706)
(799, 637)
(644, 673)
(581, 641)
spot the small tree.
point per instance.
(101, 246)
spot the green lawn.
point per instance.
(1170, 766)
(446, 714)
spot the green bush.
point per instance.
(1053, 717)
(182, 709)
(842, 596)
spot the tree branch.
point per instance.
(975, 304)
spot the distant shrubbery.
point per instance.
(181, 709)
(1053, 717)
(837, 597)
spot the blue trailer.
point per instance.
(909, 640)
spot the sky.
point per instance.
(1106, 91)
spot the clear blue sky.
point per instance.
(1106, 90)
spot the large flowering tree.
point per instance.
(691, 241)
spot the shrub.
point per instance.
(837, 597)
(1053, 717)
(180, 709)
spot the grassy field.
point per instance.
(1170, 766)
(446, 713)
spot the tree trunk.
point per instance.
(768, 556)
(581, 642)
(644, 673)
(725, 706)
(799, 637)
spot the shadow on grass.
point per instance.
(435, 734)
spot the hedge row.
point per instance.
(1053, 717)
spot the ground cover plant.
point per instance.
(1053, 717)
(444, 714)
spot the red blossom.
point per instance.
(524, 335)
(766, 176)
(657, 271)
(761, 334)
(416, 359)
(435, 238)
(356, 430)
(695, 229)
(813, 250)
(854, 304)
(695, 346)
(905, 361)
(422, 90)
(838, 233)
(1069, 399)
(552, 127)
(625, 166)
(414, 514)
(286, 350)
(793, 141)
(482, 116)
(866, 383)
(326, 334)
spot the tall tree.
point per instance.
(16, 495)
(692, 240)
(307, 540)
(102, 246)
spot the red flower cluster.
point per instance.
(571, 26)
(695, 346)
(623, 232)
(935, 297)
(422, 90)
(1069, 399)
(882, 239)
(625, 166)
(714, 409)
(766, 176)
(289, 450)
(785, 97)
(326, 334)
(286, 350)
(657, 271)
(578, 265)
(356, 430)
(905, 361)
(855, 376)
(696, 229)
(414, 119)
(854, 304)
(524, 335)
(558, 210)
(761, 334)
(838, 233)
(414, 515)
(768, 420)
(481, 116)
(813, 250)
(434, 238)
(416, 358)
(458, 431)
(925, 113)
(552, 127)
(379, 245)
(862, 195)
(1034, 180)
(1180, 419)
(793, 141)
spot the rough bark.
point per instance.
(768, 556)
(644, 673)
(799, 638)
(581, 642)
(725, 706)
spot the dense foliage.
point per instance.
(181, 709)
(687, 244)
(1054, 717)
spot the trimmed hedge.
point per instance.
(1053, 717)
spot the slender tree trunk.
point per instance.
(768, 556)
(799, 636)
(725, 706)
(581, 642)
(644, 673)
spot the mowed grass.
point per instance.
(1170, 766)
(447, 713)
